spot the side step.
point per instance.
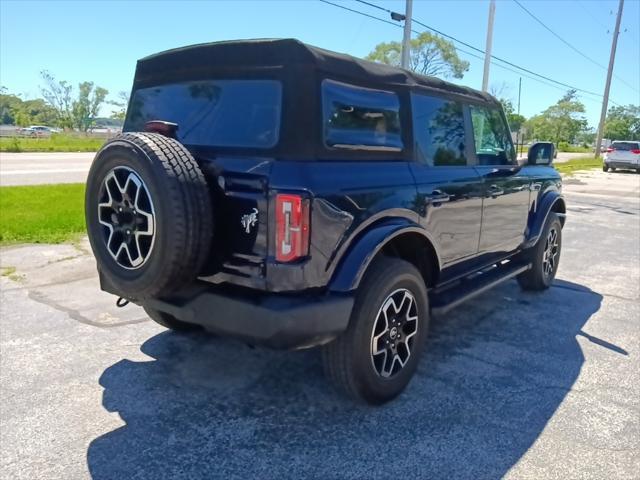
(449, 296)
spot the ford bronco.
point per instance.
(295, 197)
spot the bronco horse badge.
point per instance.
(249, 220)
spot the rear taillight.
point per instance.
(610, 149)
(636, 151)
(292, 227)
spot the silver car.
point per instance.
(624, 155)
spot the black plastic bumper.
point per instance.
(274, 320)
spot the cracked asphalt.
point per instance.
(513, 384)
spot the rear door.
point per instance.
(449, 188)
(506, 189)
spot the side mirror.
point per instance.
(541, 153)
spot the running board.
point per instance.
(445, 298)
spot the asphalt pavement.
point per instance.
(42, 168)
(512, 384)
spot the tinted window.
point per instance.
(626, 146)
(492, 137)
(438, 131)
(224, 113)
(363, 118)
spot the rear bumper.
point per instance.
(621, 164)
(274, 320)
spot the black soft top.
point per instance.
(301, 68)
(283, 54)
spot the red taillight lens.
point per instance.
(610, 149)
(292, 227)
(636, 151)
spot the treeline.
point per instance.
(63, 106)
(564, 122)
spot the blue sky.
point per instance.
(101, 41)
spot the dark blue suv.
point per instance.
(294, 197)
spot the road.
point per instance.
(41, 168)
(512, 384)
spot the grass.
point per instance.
(587, 162)
(41, 214)
(54, 143)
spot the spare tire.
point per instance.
(149, 215)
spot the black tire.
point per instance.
(613, 169)
(541, 275)
(605, 168)
(169, 321)
(349, 362)
(181, 221)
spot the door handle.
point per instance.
(495, 191)
(436, 197)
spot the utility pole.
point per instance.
(607, 86)
(487, 52)
(406, 37)
(519, 126)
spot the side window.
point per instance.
(491, 136)
(360, 118)
(438, 131)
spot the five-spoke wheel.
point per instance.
(393, 332)
(125, 210)
(551, 252)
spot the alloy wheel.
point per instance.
(125, 211)
(551, 252)
(393, 333)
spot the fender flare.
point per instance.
(356, 259)
(549, 202)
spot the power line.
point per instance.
(539, 78)
(544, 25)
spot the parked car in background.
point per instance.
(624, 155)
(35, 131)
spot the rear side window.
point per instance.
(491, 137)
(626, 146)
(360, 118)
(223, 113)
(438, 131)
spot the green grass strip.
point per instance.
(580, 163)
(54, 143)
(41, 213)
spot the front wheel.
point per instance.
(544, 257)
(605, 168)
(374, 360)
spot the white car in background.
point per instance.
(38, 131)
(624, 155)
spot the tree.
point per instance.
(122, 101)
(430, 55)
(623, 123)
(58, 95)
(8, 105)
(86, 108)
(516, 121)
(79, 113)
(561, 122)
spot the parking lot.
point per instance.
(513, 384)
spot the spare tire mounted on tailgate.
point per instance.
(149, 214)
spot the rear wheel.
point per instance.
(544, 257)
(374, 360)
(605, 168)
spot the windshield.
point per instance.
(224, 113)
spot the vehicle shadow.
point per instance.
(493, 374)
